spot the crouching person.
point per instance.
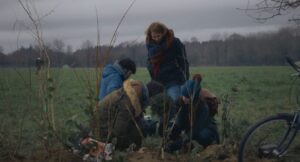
(194, 118)
(120, 115)
(162, 106)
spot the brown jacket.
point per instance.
(118, 116)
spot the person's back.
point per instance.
(112, 79)
(114, 76)
(120, 113)
(204, 127)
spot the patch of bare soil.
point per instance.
(44, 156)
(213, 153)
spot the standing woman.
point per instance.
(167, 61)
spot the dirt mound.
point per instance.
(214, 153)
(43, 156)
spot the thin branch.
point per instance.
(98, 48)
(112, 41)
(268, 9)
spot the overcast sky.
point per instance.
(74, 21)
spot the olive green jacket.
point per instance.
(118, 116)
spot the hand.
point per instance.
(185, 100)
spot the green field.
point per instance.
(248, 93)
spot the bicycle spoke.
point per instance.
(267, 140)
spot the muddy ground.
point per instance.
(214, 153)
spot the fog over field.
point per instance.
(74, 21)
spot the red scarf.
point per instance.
(159, 57)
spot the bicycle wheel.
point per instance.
(294, 92)
(268, 139)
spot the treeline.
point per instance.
(265, 48)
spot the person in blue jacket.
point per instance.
(166, 59)
(114, 75)
(194, 108)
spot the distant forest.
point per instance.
(264, 48)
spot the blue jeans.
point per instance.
(173, 90)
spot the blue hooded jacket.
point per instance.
(201, 119)
(112, 79)
(191, 89)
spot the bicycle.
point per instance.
(270, 138)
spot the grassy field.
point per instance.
(247, 94)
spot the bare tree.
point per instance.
(194, 39)
(86, 44)
(216, 37)
(58, 45)
(69, 49)
(263, 10)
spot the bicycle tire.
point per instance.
(294, 92)
(271, 143)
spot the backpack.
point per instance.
(211, 100)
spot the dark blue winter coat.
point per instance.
(205, 130)
(167, 62)
(112, 79)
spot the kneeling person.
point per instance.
(120, 115)
(196, 108)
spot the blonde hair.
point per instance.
(156, 27)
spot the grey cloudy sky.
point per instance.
(74, 21)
